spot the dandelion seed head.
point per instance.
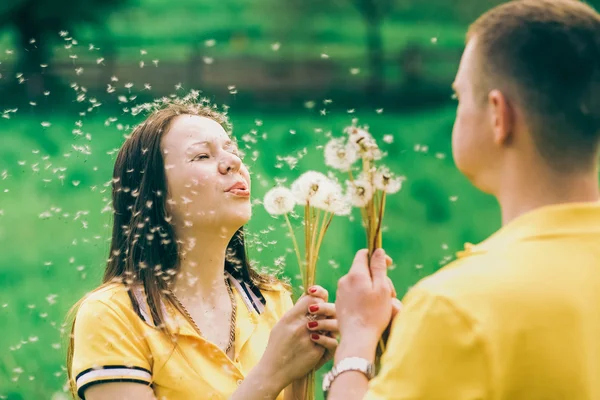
(385, 181)
(360, 192)
(307, 186)
(340, 154)
(279, 200)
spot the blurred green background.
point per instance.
(290, 71)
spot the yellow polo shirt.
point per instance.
(115, 343)
(516, 317)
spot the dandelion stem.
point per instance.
(307, 228)
(324, 226)
(296, 248)
(313, 255)
(377, 239)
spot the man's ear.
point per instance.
(501, 116)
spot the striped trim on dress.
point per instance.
(111, 373)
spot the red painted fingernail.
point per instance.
(313, 324)
(314, 336)
(313, 308)
(312, 289)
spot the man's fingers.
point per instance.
(394, 294)
(360, 265)
(388, 261)
(379, 269)
(396, 307)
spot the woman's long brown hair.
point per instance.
(144, 250)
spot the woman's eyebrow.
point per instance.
(207, 143)
(204, 143)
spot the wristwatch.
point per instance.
(348, 364)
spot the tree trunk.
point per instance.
(33, 55)
(375, 57)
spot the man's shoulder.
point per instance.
(470, 283)
(463, 274)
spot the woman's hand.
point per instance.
(291, 351)
(324, 326)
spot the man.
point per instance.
(518, 316)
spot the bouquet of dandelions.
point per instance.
(368, 190)
(320, 198)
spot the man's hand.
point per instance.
(363, 305)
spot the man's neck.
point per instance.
(525, 190)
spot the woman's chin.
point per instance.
(241, 215)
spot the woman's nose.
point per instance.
(229, 163)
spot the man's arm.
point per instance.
(434, 352)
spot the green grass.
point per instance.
(49, 262)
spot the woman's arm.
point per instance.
(296, 391)
(255, 387)
(119, 391)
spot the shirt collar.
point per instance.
(556, 220)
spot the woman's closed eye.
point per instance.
(202, 156)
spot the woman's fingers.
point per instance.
(323, 325)
(326, 310)
(329, 343)
(318, 292)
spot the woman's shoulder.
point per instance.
(113, 297)
(279, 295)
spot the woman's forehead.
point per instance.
(188, 129)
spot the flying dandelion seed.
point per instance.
(354, 71)
(276, 46)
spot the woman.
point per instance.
(181, 314)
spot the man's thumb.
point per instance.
(378, 267)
